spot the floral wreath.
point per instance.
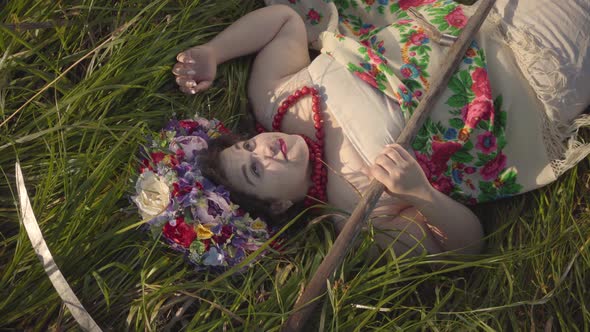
(192, 214)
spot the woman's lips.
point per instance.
(283, 147)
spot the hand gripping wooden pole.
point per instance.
(317, 286)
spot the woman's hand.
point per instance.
(195, 69)
(400, 173)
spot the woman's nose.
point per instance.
(268, 150)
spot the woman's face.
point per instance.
(270, 166)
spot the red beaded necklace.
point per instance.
(319, 173)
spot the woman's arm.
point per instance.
(276, 32)
(450, 224)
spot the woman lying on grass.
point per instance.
(339, 116)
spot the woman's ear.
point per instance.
(280, 206)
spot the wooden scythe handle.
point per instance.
(317, 286)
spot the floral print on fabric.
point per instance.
(461, 145)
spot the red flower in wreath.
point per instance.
(182, 233)
(189, 125)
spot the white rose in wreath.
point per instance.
(153, 195)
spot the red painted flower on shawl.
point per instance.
(314, 16)
(409, 70)
(367, 78)
(479, 109)
(486, 142)
(376, 59)
(369, 2)
(493, 167)
(456, 18)
(437, 163)
(481, 84)
(443, 184)
(419, 38)
(180, 233)
(406, 4)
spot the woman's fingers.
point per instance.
(190, 91)
(182, 69)
(185, 57)
(402, 152)
(204, 85)
(185, 81)
(385, 161)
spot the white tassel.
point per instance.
(576, 149)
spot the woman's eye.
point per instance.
(255, 169)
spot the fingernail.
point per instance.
(192, 91)
(191, 72)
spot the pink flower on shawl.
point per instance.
(406, 4)
(443, 184)
(418, 38)
(486, 142)
(479, 109)
(493, 167)
(314, 16)
(481, 83)
(437, 164)
(456, 18)
(403, 22)
(293, 1)
(367, 78)
(442, 152)
(377, 60)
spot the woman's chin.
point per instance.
(298, 151)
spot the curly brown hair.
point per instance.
(210, 165)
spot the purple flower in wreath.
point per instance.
(409, 70)
(486, 142)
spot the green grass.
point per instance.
(76, 101)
